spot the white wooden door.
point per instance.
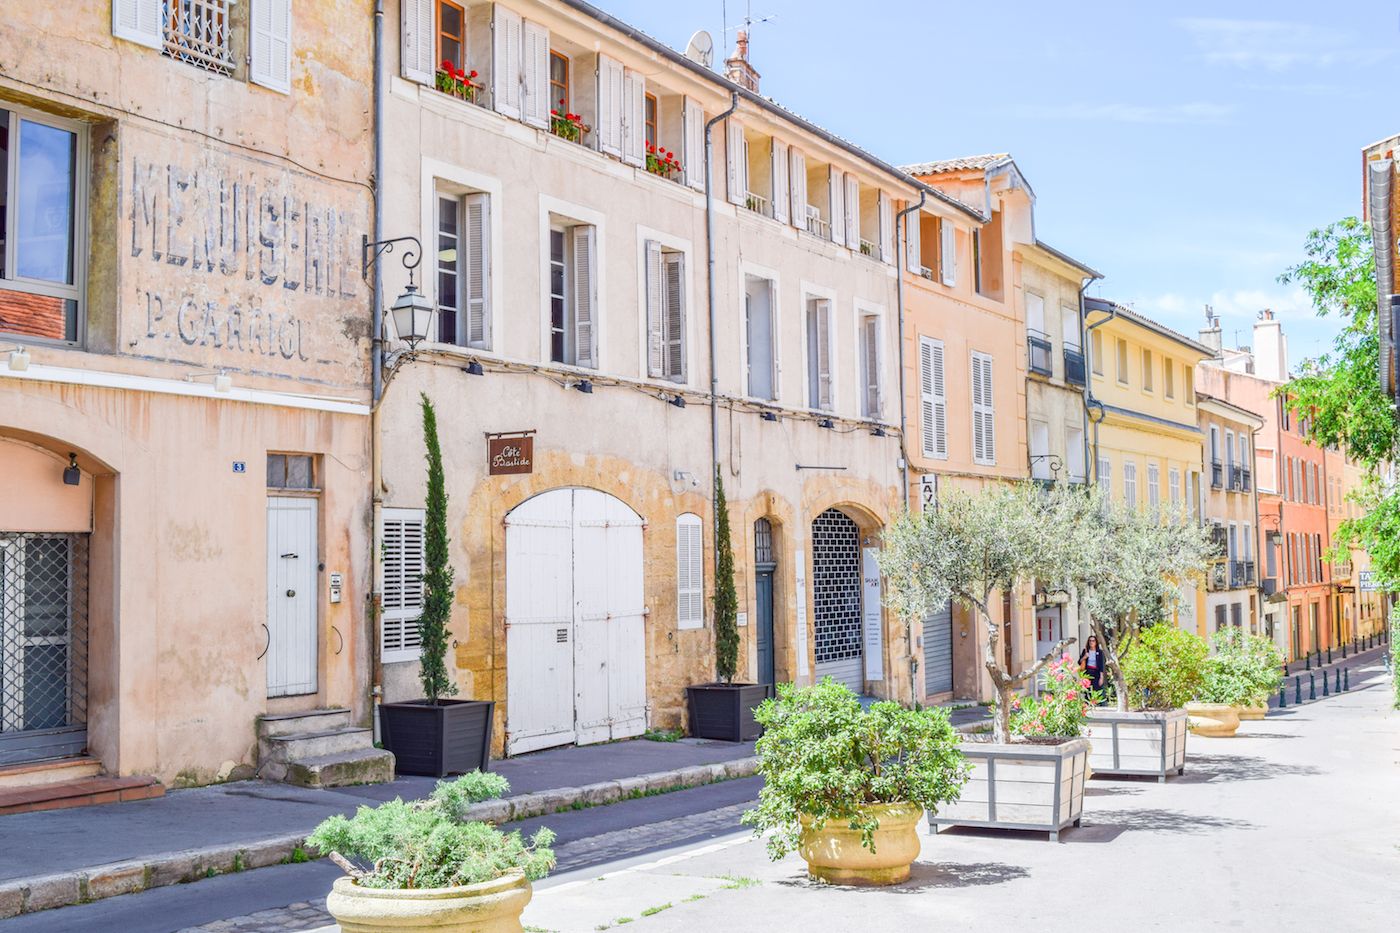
(592, 605)
(627, 680)
(292, 556)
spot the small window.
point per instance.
(464, 269)
(1106, 477)
(1169, 379)
(933, 400)
(1096, 347)
(977, 261)
(666, 317)
(760, 335)
(1174, 486)
(1154, 485)
(1122, 361)
(690, 572)
(651, 120)
(1146, 370)
(1130, 495)
(1188, 383)
(200, 32)
(870, 365)
(452, 22)
(291, 471)
(819, 394)
(572, 295)
(559, 82)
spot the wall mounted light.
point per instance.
(222, 381)
(71, 474)
(826, 423)
(877, 431)
(19, 359)
(412, 312)
(770, 416)
(584, 386)
(678, 402)
(474, 369)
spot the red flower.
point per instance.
(473, 74)
(447, 66)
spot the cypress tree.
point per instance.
(437, 572)
(726, 599)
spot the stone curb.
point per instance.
(28, 895)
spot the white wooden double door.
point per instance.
(575, 621)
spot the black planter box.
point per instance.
(453, 737)
(725, 711)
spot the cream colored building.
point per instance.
(573, 273)
(184, 388)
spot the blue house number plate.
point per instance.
(240, 466)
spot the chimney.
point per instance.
(737, 68)
(1210, 334)
(1270, 348)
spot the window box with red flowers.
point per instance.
(567, 125)
(662, 162)
(456, 82)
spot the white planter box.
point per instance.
(1036, 787)
(1150, 743)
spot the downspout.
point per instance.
(710, 300)
(1088, 378)
(1090, 403)
(376, 370)
(1259, 536)
(899, 261)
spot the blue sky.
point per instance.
(1183, 149)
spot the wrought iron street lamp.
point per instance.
(413, 314)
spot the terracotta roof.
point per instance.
(955, 165)
(32, 315)
(1104, 304)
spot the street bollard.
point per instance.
(1346, 678)
(1325, 691)
(1297, 690)
(1307, 661)
(1344, 651)
(1312, 686)
(1329, 654)
(1337, 682)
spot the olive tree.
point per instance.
(974, 546)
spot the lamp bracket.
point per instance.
(370, 250)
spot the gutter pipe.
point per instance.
(710, 301)
(899, 262)
(376, 365)
(1092, 404)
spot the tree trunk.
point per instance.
(1110, 656)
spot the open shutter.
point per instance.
(674, 267)
(610, 105)
(835, 187)
(780, 182)
(933, 404)
(656, 286)
(870, 332)
(270, 44)
(913, 255)
(506, 28)
(534, 72)
(477, 266)
(823, 323)
(401, 568)
(693, 143)
(634, 117)
(886, 204)
(690, 572)
(798, 180)
(138, 21)
(852, 212)
(585, 295)
(947, 254)
(738, 169)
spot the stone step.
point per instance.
(314, 720)
(296, 746)
(49, 771)
(361, 766)
(80, 793)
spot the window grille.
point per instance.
(198, 32)
(836, 585)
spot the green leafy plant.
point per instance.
(1062, 707)
(437, 573)
(426, 844)
(1165, 669)
(726, 599)
(1243, 669)
(823, 756)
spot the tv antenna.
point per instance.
(748, 21)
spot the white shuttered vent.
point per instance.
(400, 583)
(138, 21)
(271, 44)
(690, 572)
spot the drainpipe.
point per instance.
(899, 262)
(376, 367)
(710, 299)
(1092, 404)
(1088, 378)
(1259, 536)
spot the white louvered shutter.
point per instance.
(835, 189)
(870, 334)
(417, 45)
(983, 410)
(853, 212)
(693, 143)
(656, 287)
(534, 73)
(610, 105)
(477, 267)
(634, 117)
(585, 295)
(401, 569)
(886, 204)
(823, 325)
(690, 572)
(673, 265)
(913, 255)
(781, 196)
(138, 21)
(933, 403)
(270, 44)
(797, 178)
(506, 30)
(738, 168)
(947, 254)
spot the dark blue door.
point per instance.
(766, 672)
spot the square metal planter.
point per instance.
(1014, 786)
(451, 737)
(1151, 743)
(725, 711)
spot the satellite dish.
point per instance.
(701, 48)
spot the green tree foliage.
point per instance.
(437, 572)
(1243, 669)
(726, 599)
(1166, 669)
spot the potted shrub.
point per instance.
(1259, 663)
(436, 736)
(420, 865)
(723, 709)
(845, 786)
(972, 548)
(1229, 683)
(1159, 676)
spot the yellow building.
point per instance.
(1143, 435)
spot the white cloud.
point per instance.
(1238, 309)
(1193, 112)
(1276, 45)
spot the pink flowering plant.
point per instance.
(1062, 707)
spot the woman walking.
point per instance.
(1091, 662)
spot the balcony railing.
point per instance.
(870, 249)
(1074, 365)
(1217, 473)
(758, 204)
(1236, 478)
(1041, 360)
(1241, 574)
(1269, 585)
(1216, 578)
(816, 225)
(1246, 476)
(197, 31)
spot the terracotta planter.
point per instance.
(1019, 786)
(834, 853)
(1215, 720)
(1253, 713)
(1151, 743)
(489, 907)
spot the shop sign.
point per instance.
(510, 454)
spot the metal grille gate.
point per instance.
(836, 584)
(43, 645)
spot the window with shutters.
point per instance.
(983, 410)
(464, 269)
(200, 32)
(933, 400)
(1154, 485)
(401, 567)
(1130, 495)
(988, 260)
(760, 338)
(1039, 448)
(690, 572)
(870, 356)
(1075, 455)
(1106, 476)
(820, 393)
(1174, 486)
(665, 311)
(753, 174)
(573, 299)
(452, 36)
(977, 261)
(43, 181)
(927, 246)
(947, 254)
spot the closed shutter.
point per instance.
(983, 410)
(913, 255)
(634, 117)
(798, 180)
(870, 360)
(886, 205)
(610, 105)
(505, 60)
(835, 186)
(852, 212)
(477, 267)
(401, 569)
(138, 21)
(821, 322)
(933, 403)
(938, 652)
(738, 169)
(690, 572)
(534, 73)
(673, 265)
(693, 143)
(585, 295)
(780, 182)
(655, 329)
(947, 254)
(270, 44)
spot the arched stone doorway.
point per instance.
(765, 564)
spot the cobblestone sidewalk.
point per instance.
(294, 918)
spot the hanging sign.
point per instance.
(508, 455)
(872, 615)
